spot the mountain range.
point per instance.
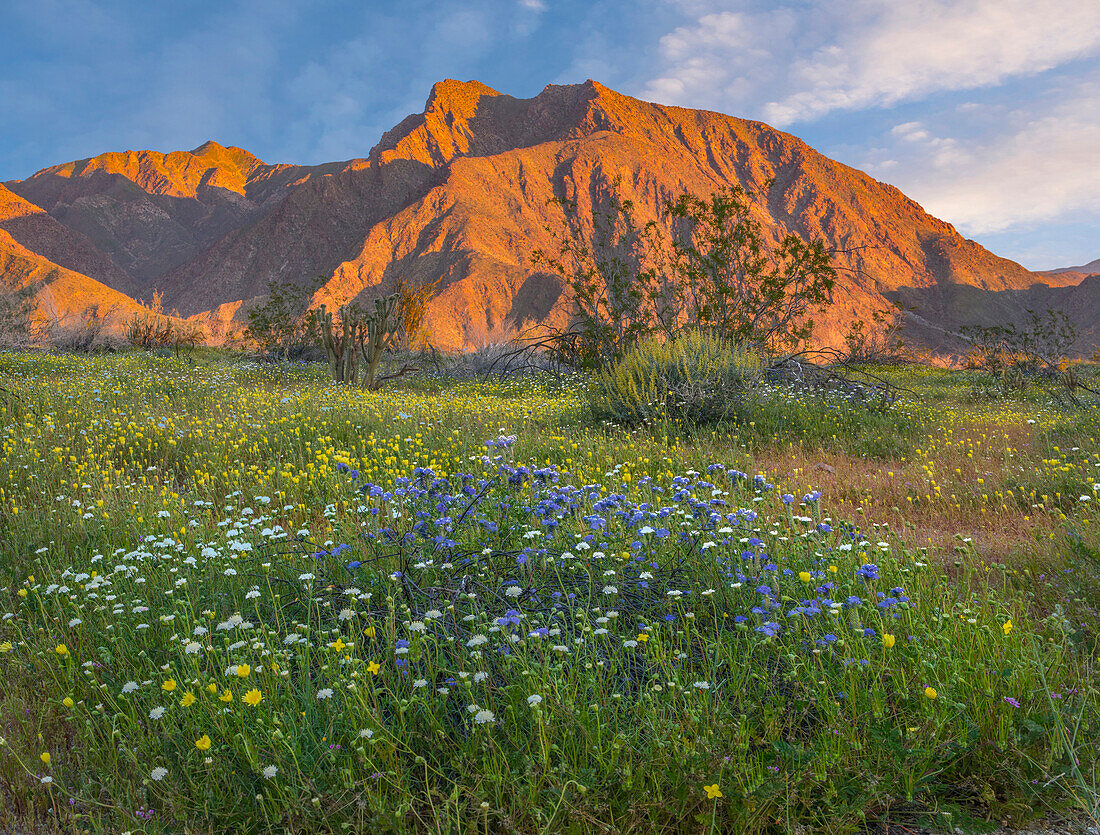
(464, 193)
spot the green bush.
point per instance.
(697, 378)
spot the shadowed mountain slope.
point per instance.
(1091, 268)
(150, 212)
(38, 232)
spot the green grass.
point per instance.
(142, 499)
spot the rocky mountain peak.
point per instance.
(458, 98)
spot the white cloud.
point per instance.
(788, 65)
(1043, 165)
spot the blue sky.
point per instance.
(987, 112)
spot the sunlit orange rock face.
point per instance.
(61, 296)
(462, 193)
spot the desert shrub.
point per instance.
(82, 334)
(697, 378)
(153, 329)
(877, 341)
(1013, 357)
(281, 325)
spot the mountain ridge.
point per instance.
(464, 192)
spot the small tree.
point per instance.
(734, 284)
(629, 281)
(283, 321)
(617, 272)
(412, 307)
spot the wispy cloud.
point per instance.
(1042, 164)
(797, 63)
(1022, 154)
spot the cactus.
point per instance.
(360, 336)
(379, 334)
(340, 346)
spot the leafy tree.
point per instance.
(630, 281)
(617, 272)
(283, 322)
(733, 284)
(412, 307)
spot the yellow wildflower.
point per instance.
(253, 697)
(713, 792)
(373, 668)
(203, 743)
(168, 686)
(188, 699)
(888, 641)
(930, 693)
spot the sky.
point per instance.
(986, 112)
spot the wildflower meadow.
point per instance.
(237, 597)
